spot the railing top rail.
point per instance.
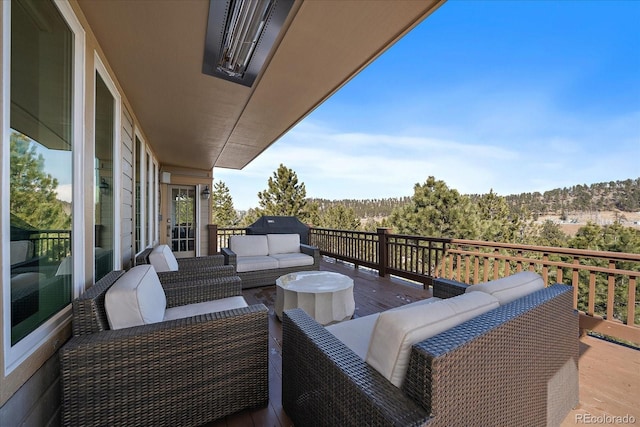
(373, 233)
(623, 256)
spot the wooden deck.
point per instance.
(609, 373)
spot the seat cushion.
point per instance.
(511, 287)
(293, 259)
(253, 245)
(283, 243)
(190, 310)
(397, 330)
(254, 263)
(135, 299)
(162, 259)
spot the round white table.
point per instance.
(324, 295)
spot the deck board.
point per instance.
(609, 373)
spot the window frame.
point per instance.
(101, 69)
(15, 355)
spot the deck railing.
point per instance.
(605, 284)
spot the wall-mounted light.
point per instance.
(206, 193)
(104, 186)
(240, 36)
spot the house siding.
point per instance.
(126, 201)
(37, 402)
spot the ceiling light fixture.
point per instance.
(240, 35)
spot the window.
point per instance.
(40, 176)
(149, 199)
(137, 150)
(146, 199)
(104, 211)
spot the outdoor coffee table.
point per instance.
(324, 295)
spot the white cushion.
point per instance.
(511, 287)
(254, 263)
(249, 245)
(25, 283)
(21, 250)
(283, 243)
(162, 259)
(293, 260)
(190, 310)
(397, 330)
(135, 299)
(355, 333)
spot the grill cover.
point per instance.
(280, 225)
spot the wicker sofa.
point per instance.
(512, 365)
(260, 259)
(186, 371)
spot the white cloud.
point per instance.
(65, 192)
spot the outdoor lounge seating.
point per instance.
(515, 364)
(133, 362)
(174, 270)
(260, 259)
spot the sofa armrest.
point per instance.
(446, 288)
(230, 257)
(311, 251)
(179, 372)
(200, 263)
(201, 289)
(524, 351)
(322, 379)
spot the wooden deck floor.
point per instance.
(609, 373)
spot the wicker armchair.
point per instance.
(180, 372)
(190, 269)
(514, 365)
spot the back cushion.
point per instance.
(283, 243)
(135, 299)
(162, 259)
(511, 287)
(21, 250)
(397, 330)
(249, 245)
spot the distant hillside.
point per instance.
(621, 196)
(368, 208)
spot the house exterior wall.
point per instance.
(126, 201)
(30, 387)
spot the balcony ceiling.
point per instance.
(194, 120)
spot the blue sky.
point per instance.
(514, 96)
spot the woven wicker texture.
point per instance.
(182, 372)
(493, 370)
(445, 288)
(253, 279)
(190, 269)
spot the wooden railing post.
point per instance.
(383, 251)
(213, 239)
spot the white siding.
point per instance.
(126, 211)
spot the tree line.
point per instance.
(436, 210)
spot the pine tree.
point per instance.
(223, 212)
(436, 210)
(33, 197)
(341, 218)
(285, 196)
(497, 223)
